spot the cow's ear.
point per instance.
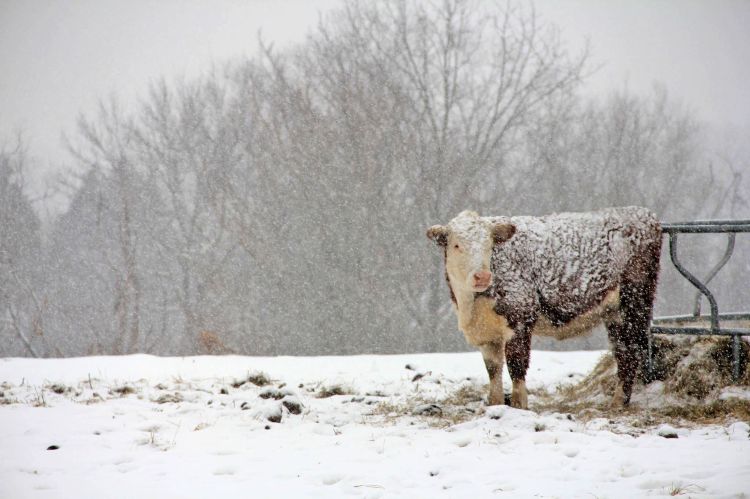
(438, 234)
(501, 232)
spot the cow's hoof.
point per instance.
(498, 399)
(618, 399)
(519, 402)
(519, 397)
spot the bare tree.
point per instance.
(101, 248)
(21, 303)
(183, 136)
(626, 150)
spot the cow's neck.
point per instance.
(465, 307)
(479, 321)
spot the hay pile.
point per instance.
(691, 380)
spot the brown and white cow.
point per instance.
(558, 275)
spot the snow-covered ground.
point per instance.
(143, 426)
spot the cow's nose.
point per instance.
(482, 277)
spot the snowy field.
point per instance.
(367, 426)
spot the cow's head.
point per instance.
(468, 240)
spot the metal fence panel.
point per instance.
(693, 324)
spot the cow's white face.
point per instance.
(468, 240)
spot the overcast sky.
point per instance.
(57, 58)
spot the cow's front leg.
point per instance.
(494, 358)
(517, 353)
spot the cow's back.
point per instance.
(569, 263)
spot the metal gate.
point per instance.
(705, 324)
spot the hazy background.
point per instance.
(128, 269)
(60, 58)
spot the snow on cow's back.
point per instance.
(579, 255)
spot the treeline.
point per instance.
(277, 205)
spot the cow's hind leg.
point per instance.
(517, 353)
(625, 354)
(629, 336)
(494, 358)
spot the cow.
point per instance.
(557, 275)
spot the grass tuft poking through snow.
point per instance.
(333, 390)
(257, 379)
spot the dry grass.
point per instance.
(678, 490)
(168, 398)
(717, 411)
(693, 372)
(123, 390)
(331, 390)
(459, 406)
(58, 388)
(465, 396)
(257, 379)
(390, 411)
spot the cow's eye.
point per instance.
(456, 246)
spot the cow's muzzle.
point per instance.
(482, 280)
